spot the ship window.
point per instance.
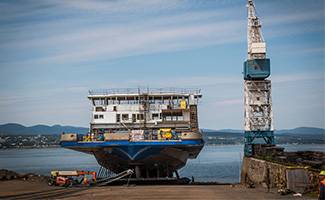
(118, 118)
(95, 116)
(125, 117)
(100, 109)
(114, 108)
(99, 102)
(140, 117)
(257, 98)
(155, 116)
(134, 118)
(101, 116)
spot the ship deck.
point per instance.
(129, 143)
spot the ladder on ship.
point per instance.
(193, 118)
(144, 106)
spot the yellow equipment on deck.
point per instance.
(165, 133)
(183, 104)
(86, 138)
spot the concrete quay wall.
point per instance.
(258, 172)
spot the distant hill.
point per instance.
(303, 131)
(221, 134)
(18, 129)
(295, 131)
(231, 130)
(301, 135)
(222, 130)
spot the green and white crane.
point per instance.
(257, 88)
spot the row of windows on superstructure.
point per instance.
(101, 102)
(155, 116)
(125, 117)
(103, 109)
(98, 116)
(135, 117)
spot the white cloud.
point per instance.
(292, 18)
(279, 79)
(63, 33)
(121, 6)
(92, 39)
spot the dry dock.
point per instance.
(19, 189)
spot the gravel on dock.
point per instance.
(24, 189)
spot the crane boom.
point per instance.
(256, 44)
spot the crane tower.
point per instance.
(257, 88)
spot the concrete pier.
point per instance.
(283, 177)
(19, 189)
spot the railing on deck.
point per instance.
(149, 91)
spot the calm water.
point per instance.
(215, 163)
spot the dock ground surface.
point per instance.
(20, 189)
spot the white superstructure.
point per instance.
(123, 109)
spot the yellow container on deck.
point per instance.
(183, 104)
(165, 133)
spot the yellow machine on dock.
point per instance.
(69, 178)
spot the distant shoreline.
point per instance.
(47, 147)
(58, 146)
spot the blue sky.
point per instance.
(53, 52)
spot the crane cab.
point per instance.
(257, 69)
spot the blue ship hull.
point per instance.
(148, 158)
